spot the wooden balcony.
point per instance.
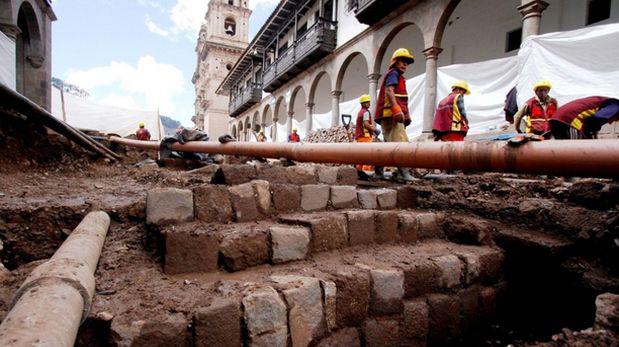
(371, 11)
(249, 97)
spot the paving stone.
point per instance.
(329, 303)
(327, 174)
(429, 226)
(302, 175)
(272, 173)
(244, 202)
(286, 197)
(471, 265)
(161, 333)
(487, 305)
(289, 243)
(361, 227)
(490, 265)
(607, 312)
(314, 197)
(367, 199)
(344, 197)
(387, 226)
(190, 249)
(386, 198)
(212, 203)
(265, 318)
(329, 232)
(219, 324)
(387, 291)
(467, 230)
(451, 270)
(169, 205)
(469, 310)
(444, 326)
(407, 197)
(347, 176)
(233, 174)
(262, 192)
(305, 310)
(415, 322)
(381, 332)
(408, 227)
(353, 297)
(244, 249)
(347, 337)
(421, 277)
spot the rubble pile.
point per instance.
(331, 135)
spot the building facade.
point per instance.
(312, 55)
(27, 29)
(222, 40)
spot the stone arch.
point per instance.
(30, 55)
(298, 100)
(234, 130)
(320, 93)
(281, 110)
(352, 78)
(406, 35)
(241, 132)
(267, 115)
(256, 125)
(248, 130)
(442, 22)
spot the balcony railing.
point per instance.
(250, 96)
(371, 11)
(318, 41)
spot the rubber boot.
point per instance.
(379, 172)
(405, 174)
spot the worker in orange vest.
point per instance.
(392, 105)
(537, 111)
(142, 134)
(294, 137)
(583, 118)
(450, 122)
(366, 131)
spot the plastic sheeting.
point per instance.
(85, 114)
(7, 61)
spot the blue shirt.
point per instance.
(392, 78)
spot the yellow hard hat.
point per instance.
(294, 129)
(141, 124)
(463, 85)
(402, 53)
(542, 84)
(364, 98)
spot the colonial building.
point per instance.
(222, 40)
(313, 55)
(26, 38)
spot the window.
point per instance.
(514, 39)
(597, 11)
(230, 26)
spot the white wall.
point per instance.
(348, 26)
(7, 61)
(410, 37)
(322, 95)
(300, 100)
(355, 81)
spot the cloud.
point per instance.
(154, 28)
(151, 3)
(123, 101)
(155, 83)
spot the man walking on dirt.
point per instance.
(366, 132)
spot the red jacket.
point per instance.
(575, 112)
(360, 131)
(142, 134)
(294, 137)
(383, 107)
(537, 122)
(448, 117)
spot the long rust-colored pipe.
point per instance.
(584, 158)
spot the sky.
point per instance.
(137, 54)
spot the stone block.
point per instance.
(429, 226)
(487, 305)
(467, 230)
(233, 174)
(471, 265)
(381, 332)
(169, 205)
(286, 197)
(289, 243)
(607, 312)
(272, 173)
(329, 303)
(408, 227)
(212, 203)
(244, 248)
(306, 319)
(361, 228)
(469, 310)
(171, 331)
(420, 278)
(386, 198)
(387, 291)
(329, 232)
(367, 199)
(407, 197)
(353, 297)
(219, 324)
(301, 175)
(451, 270)
(490, 265)
(344, 196)
(415, 321)
(262, 192)
(314, 197)
(387, 227)
(347, 176)
(347, 337)
(190, 249)
(265, 318)
(327, 174)
(444, 326)
(244, 202)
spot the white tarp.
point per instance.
(7, 61)
(85, 114)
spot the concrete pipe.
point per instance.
(50, 305)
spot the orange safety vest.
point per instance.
(360, 130)
(448, 117)
(383, 106)
(537, 121)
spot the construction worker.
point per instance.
(583, 118)
(537, 111)
(450, 123)
(294, 137)
(142, 133)
(392, 104)
(365, 131)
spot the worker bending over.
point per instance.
(583, 118)
(450, 122)
(537, 111)
(142, 133)
(392, 105)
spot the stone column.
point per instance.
(430, 89)
(531, 11)
(373, 78)
(289, 123)
(335, 107)
(309, 114)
